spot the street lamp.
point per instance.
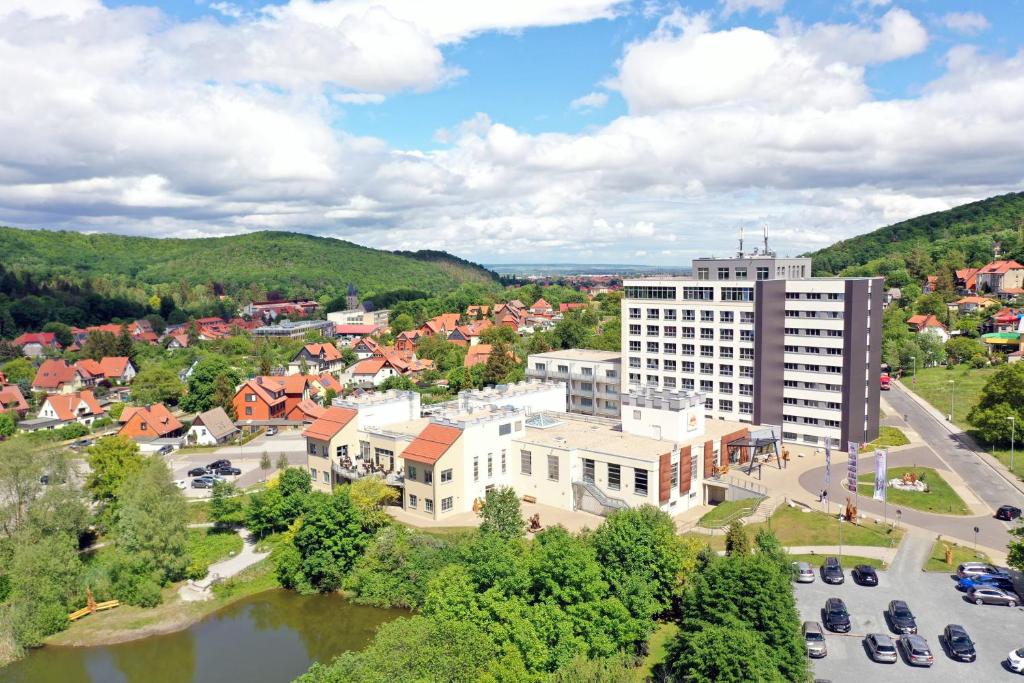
(841, 539)
(899, 517)
(976, 530)
(913, 380)
(1013, 434)
(952, 392)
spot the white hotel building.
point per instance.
(765, 342)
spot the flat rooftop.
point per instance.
(505, 390)
(589, 355)
(373, 398)
(603, 436)
(410, 428)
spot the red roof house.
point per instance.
(149, 422)
(79, 406)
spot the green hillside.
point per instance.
(290, 263)
(961, 236)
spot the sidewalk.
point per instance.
(195, 591)
(963, 437)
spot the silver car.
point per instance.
(916, 649)
(803, 572)
(814, 637)
(974, 569)
(881, 648)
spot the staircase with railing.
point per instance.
(607, 504)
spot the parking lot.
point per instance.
(245, 458)
(935, 602)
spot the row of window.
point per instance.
(734, 273)
(706, 350)
(812, 332)
(490, 465)
(828, 405)
(809, 438)
(447, 504)
(411, 473)
(810, 420)
(724, 334)
(833, 315)
(817, 350)
(584, 371)
(815, 296)
(817, 386)
(811, 367)
(326, 475)
(689, 367)
(690, 315)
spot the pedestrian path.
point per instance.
(912, 554)
(195, 591)
(884, 554)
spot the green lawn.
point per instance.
(1003, 455)
(937, 560)
(887, 437)
(656, 650)
(206, 546)
(796, 528)
(933, 386)
(940, 497)
(727, 510)
(848, 561)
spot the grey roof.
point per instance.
(216, 422)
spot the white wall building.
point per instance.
(593, 378)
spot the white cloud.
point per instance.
(730, 7)
(123, 120)
(593, 100)
(227, 9)
(969, 23)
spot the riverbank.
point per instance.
(128, 623)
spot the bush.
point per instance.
(978, 361)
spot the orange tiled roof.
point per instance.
(157, 416)
(11, 398)
(65, 405)
(477, 354)
(93, 368)
(329, 350)
(44, 338)
(271, 395)
(114, 366)
(999, 267)
(53, 373)
(332, 421)
(433, 442)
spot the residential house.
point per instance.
(541, 307)
(258, 401)
(930, 284)
(968, 304)
(441, 324)
(149, 422)
(928, 324)
(55, 376)
(469, 335)
(35, 344)
(477, 312)
(565, 308)
(966, 279)
(78, 406)
(365, 347)
(1002, 278)
(333, 437)
(318, 358)
(177, 340)
(406, 341)
(326, 382)
(211, 428)
(371, 372)
(477, 355)
(12, 400)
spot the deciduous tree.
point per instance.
(330, 539)
(736, 540)
(112, 460)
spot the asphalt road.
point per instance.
(988, 484)
(993, 533)
(935, 602)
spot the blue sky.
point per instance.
(199, 117)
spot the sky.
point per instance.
(534, 131)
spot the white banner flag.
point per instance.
(828, 462)
(880, 473)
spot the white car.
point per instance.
(1016, 660)
(181, 484)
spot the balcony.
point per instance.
(361, 471)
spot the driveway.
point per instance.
(246, 458)
(935, 602)
(992, 532)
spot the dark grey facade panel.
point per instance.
(769, 346)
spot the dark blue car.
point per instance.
(1000, 580)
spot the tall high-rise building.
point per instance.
(764, 341)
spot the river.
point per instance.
(270, 637)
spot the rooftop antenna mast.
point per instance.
(740, 253)
(766, 251)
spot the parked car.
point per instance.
(181, 483)
(803, 572)
(217, 464)
(864, 575)
(814, 638)
(1000, 580)
(166, 450)
(198, 472)
(836, 617)
(901, 619)
(881, 648)
(203, 482)
(916, 650)
(984, 595)
(1008, 513)
(229, 471)
(958, 643)
(975, 569)
(271, 431)
(1015, 660)
(832, 571)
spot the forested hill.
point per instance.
(253, 264)
(964, 234)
